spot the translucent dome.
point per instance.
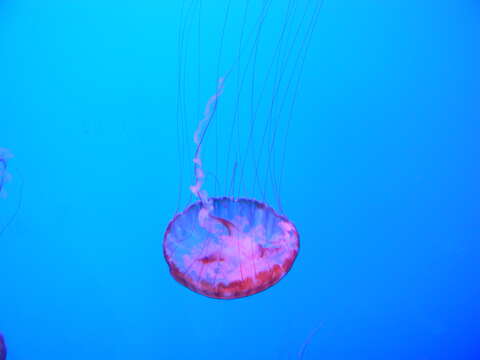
(240, 248)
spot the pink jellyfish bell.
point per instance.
(239, 248)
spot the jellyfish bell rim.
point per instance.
(175, 272)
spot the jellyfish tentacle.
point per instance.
(198, 137)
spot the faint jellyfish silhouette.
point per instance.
(8, 208)
(5, 156)
(3, 348)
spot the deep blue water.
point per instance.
(381, 178)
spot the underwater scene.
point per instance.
(239, 179)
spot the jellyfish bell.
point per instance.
(242, 248)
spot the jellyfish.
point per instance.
(235, 243)
(3, 348)
(9, 206)
(5, 155)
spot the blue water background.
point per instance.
(382, 182)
